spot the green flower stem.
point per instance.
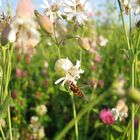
(57, 42)
(138, 137)
(138, 41)
(75, 116)
(9, 122)
(7, 80)
(128, 126)
(88, 107)
(2, 133)
(132, 106)
(123, 22)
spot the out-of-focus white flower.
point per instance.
(24, 28)
(72, 73)
(52, 9)
(78, 10)
(137, 10)
(126, 5)
(41, 110)
(34, 120)
(41, 133)
(102, 41)
(46, 64)
(120, 111)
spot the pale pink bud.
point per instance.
(25, 9)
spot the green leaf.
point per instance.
(118, 128)
(62, 88)
(4, 107)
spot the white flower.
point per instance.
(102, 41)
(41, 110)
(126, 5)
(78, 9)
(24, 28)
(137, 10)
(115, 113)
(41, 133)
(34, 120)
(24, 33)
(52, 9)
(120, 111)
(72, 73)
(62, 66)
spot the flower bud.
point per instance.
(25, 9)
(62, 66)
(118, 86)
(45, 23)
(134, 95)
(4, 34)
(84, 43)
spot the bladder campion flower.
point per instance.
(120, 111)
(24, 28)
(52, 9)
(78, 10)
(126, 5)
(68, 71)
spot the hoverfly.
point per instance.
(75, 89)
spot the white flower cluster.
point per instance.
(68, 71)
(41, 110)
(120, 112)
(77, 10)
(37, 129)
(23, 28)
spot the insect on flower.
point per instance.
(70, 74)
(75, 89)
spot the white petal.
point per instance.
(68, 10)
(59, 80)
(12, 35)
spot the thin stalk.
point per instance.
(128, 126)
(81, 52)
(9, 122)
(138, 41)
(75, 116)
(138, 137)
(56, 41)
(2, 133)
(123, 22)
(88, 107)
(133, 71)
(7, 80)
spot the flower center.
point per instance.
(80, 7)
(54, 8)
